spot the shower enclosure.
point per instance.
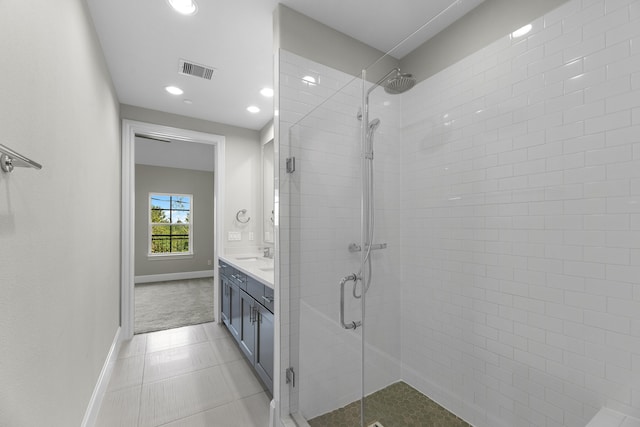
(345, 242)
(501, 278)
(338, 199)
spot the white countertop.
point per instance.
(255, 266)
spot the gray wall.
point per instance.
(266, 133)
(477, 29)
(299, 34)
(176, 154)
(243, 175)
(60, 226)
(155, 179)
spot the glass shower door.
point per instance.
(324, 220)
(334, 367)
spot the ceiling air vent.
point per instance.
(197, 70)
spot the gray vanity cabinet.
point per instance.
(230, 297)
(226, 300)
(264, 345)
(247, 311)
(225, 297)
(235, 321)
(248, 328)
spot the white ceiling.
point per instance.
(143, 41)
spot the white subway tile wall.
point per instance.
(520, 225)
(508, 191)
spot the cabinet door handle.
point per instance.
(267, 299)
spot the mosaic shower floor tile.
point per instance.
(398, 405)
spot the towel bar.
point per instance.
(9, 159)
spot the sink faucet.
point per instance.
(266, 252)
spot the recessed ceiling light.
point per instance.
(522, 31)
(253, 109)
(268, 92)
(174, 90)
(309, 80)
(185, 7)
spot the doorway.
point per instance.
(160, 135)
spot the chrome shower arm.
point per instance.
(379, 82)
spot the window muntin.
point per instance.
(170, 224)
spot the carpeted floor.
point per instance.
(166, 305)
(398, 405)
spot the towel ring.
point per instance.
(242, 213)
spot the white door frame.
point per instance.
(129, 130)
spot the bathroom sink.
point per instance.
(247, 258)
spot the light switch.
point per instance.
(234, 236)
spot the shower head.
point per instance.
(399, 83)
(394, 82)
(371, 128)
(373, 125)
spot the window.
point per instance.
(170, 224)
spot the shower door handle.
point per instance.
(350, 325)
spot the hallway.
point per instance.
(189, 377)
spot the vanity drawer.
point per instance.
(255, 289)
(225, 269)
(239, 279)
(267, 298)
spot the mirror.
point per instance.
(267, 192)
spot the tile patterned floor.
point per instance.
(193, 376)
(398, 405)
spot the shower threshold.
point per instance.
(398, 405)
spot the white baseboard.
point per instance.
(174, 276)
(91, 414)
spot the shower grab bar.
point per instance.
(10, 159)
(351, 325)
(354, 247)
